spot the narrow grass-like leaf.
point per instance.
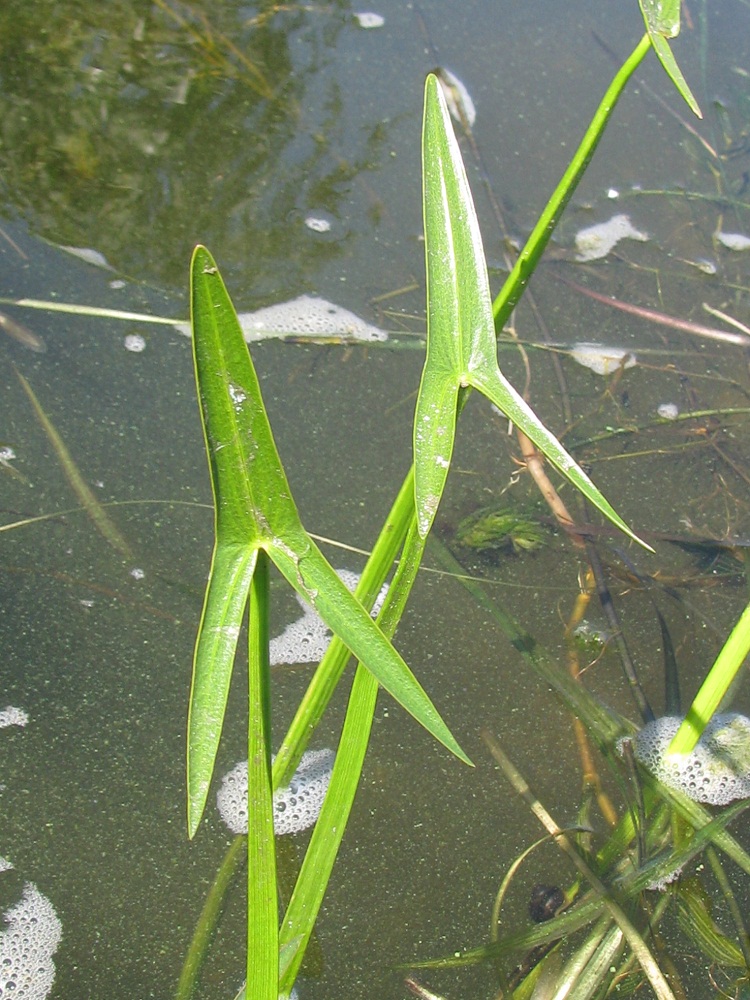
(78, 484)
(461, 345)
(312, 882)
(330, 668)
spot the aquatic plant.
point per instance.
(500, 528)
(256, 521)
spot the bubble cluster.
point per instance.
(295, 807)
(305, 316)
(306, 639)
(12, 716)
(308, 316)
(718, 769)
(29, 931)
(668, 411)
(27, 946)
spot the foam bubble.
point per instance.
(718, 769)
(27, 946)
(307, 316)
(602, 359)
(318, 223)
(5, 865)
(597, 241)
(12, 716)
(135, 343)
(370, 20)
(668, 411)
(295, 807)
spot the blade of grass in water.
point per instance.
(94, 509)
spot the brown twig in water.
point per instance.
(663, 319)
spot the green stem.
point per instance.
(528, 259)
(714, 687)
(262, 899)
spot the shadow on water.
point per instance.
(137, 129)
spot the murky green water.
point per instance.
(137, 129)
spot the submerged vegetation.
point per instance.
(650, 889)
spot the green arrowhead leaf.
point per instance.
(254, 510)
(461, 346)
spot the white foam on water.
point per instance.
(370, 20)
(602, 359)
(734, 241)
(12, 716)
(306, 639)
(305, 316)
(295, 808)
(27, 947)
(595, 242)
(668, 411)
(718, 769)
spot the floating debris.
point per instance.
(135, 342)
(88, 255)
(591, 637)
(668, 411)
(22, 334)
(457, 97)
(369, 20)
(718, 769)
(595, 242)
(734, 241)
(602, 359)
(704, 264)
(295, 808)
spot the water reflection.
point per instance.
(132, 126)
